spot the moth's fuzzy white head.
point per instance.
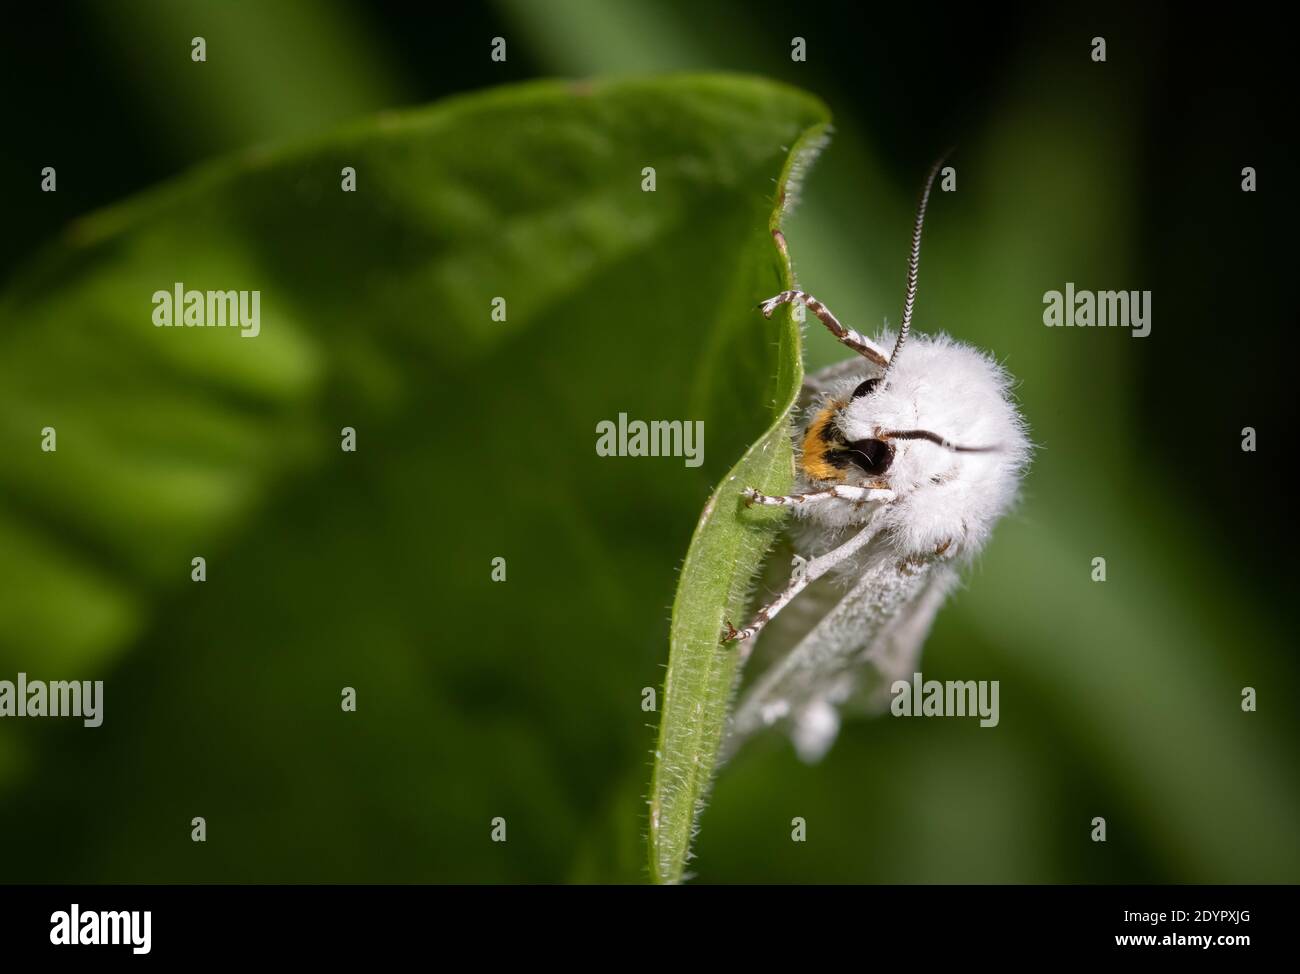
(943, 497)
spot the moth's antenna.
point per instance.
(936, 438)
(914, 262)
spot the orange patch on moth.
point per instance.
(813, 457)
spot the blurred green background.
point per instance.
(522, 700)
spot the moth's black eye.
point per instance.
(866, 388)
(873, 456)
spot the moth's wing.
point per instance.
(897, 653)
(874, 630)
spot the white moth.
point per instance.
(905, 463)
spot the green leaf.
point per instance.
(475, 440)
(725, 555)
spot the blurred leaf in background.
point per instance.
(476, 439)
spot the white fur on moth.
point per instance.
(905, 463)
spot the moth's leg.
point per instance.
(847, 336)
(805, 572)
(840, 491)
(943, 551)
